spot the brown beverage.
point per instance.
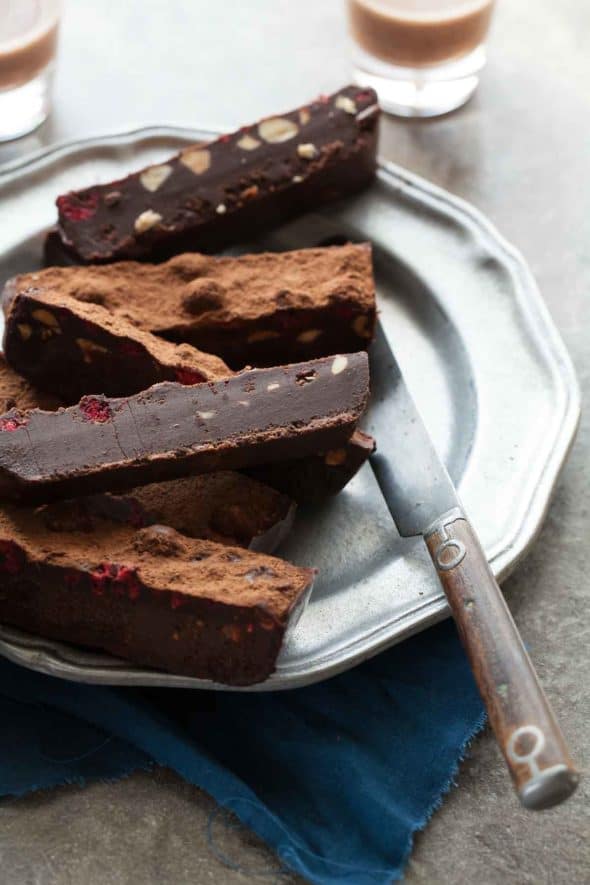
(28, 37)
(414, 33)
(422, 56)
(28, 40)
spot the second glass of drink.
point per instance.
(422, 56)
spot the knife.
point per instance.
(423, 501)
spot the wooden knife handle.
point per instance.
(523, 721)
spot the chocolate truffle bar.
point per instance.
(70, 348)
(151, 596)
(221, 192)
(225, 507)
(305, 480)
(170, 430)
(260, 310)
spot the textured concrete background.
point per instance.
(520, 151)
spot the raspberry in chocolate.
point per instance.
(215, 194)
(262, 309)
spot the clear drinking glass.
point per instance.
(422, 56)
(28, 43)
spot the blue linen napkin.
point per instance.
(336, 777)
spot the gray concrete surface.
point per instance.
(520, 151)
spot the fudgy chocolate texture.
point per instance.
(171, 430)
(17, 393)
(214, 194)
(310, 480)
(151, 596)
(225, 507)
(70, 349)
(262, 310)
(325, 475)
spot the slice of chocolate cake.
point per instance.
(151, 596)
(70, 349)
(259, 310)
(170, 430)
(225, 191)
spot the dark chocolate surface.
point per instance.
(224, 191)
(256, 417)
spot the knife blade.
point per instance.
(423, 501)
(412, 477)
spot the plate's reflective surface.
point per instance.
(478, 350)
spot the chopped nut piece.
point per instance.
(146, 220)
(346, 104)
(307, 151)
(309, 335)
(297, 179)
(197, 160)
(361, 326)
(250, 192)
(47, 318)
(232, 632)
(25, 331)
(248, 143)
(89, 348)
(112, 198)
(306, 377)
(263, 335)
(277, 129)
(221, 209)
(205, 415)
(339, 364)
(155, 176)
(304, 116)
(274, 386)
(335, 457)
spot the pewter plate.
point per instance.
(481, 355)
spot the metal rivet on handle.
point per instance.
(447, 565)
(529, 758)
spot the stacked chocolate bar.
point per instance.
(184, 406)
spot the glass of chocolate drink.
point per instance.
(28, 42)
(422, 56)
